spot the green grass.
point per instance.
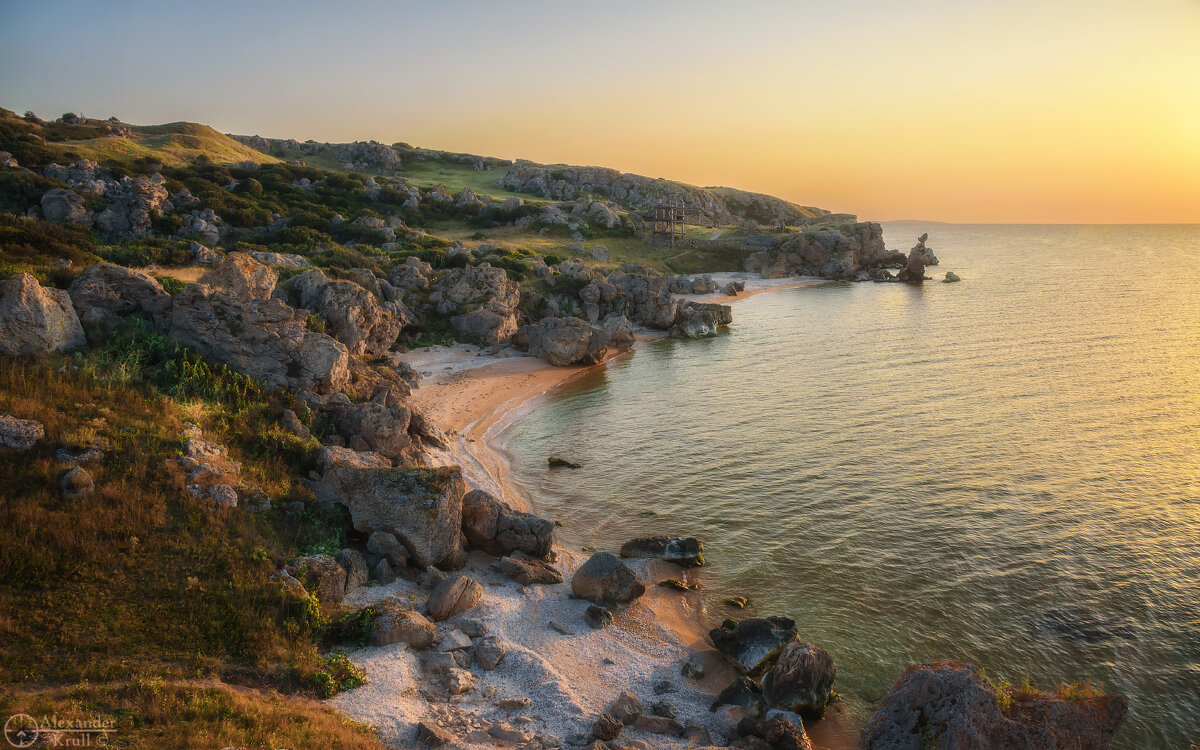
(174, 144)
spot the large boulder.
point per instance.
(36, 319)
(566, 341)
(950, 705)
(607, 581)
(421, 506)
(323, 573)
(924, 253)
(619, 330)
(105, 292)
(528, 570)
(351, 313)
(754, 644)
(60, 206)
(700, 319)
(382, 427)
(801, 680)
(133, 204)
(262, 338)
(491, 525)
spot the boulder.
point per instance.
(356, 569)
(619, 331)
(685, 552)
(597, 618)
(459, 681)
(491, 525)
(454, 640)
(754, 643)
(383, 572)
(949, 704)
(62, 206)
(264, 339)
(924, 253)
(382, 428)
(36, 319)
(105, 292)
(385, 545)
(566, 341)
(527, 570)
(801, 680)
(75, 483)
(607, 581)
(700, 319)
(432, 735)
(352, 315)
(743, 692)
(659, 725)
(324, 574)
(454, 595)
(951, 277)
(464, 290)
(626, 708)
(782, 734)
(421, 507)
(607, 727)
(396, 622)
(20, 434)
(489, 651)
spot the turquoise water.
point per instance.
(1004, 471)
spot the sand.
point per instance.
(569, 679)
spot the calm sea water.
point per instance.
(1004, 470)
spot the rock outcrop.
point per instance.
(832, 252)
(492, 526)
(949, 704)
(104, 293)
(422, 507)
(36, 319)
(924, 253)
(62, 206)
(482, 301)
(229, 316)
(20, 434)
(351, 313)
(700, 320)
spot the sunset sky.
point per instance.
(988, 111)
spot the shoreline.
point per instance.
(564, 672)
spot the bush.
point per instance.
(28, 241)
(337, 675)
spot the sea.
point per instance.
(1003, 470)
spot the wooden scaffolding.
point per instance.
(667, 223)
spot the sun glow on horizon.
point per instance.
(993, 112)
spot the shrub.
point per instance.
(337, 675)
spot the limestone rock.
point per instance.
(491, 525)
(383, 572)
(102, 293)
(432, 735)
(454, 640)
(325, 575)
(465, 290)
(700, 320)
(619, 331)
(801, 680)
(244, 276)
(597, 618)
(607, 581)
(60, 206)
(75, 483)
(953, 704)
(422, 507)
(924, 253)
(352, 315)
(36, 319)
(607, 727)
(20, 434)
(782, 734)
(527, 570)
(754, 643)
(397, 623)
(459, 681)
(387, 546)
(659, 725)
(489, 651)
(626, 708)
(454, 595)
(566, 341)
(356, 569)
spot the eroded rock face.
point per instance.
(700, 320)
(492, 526)
(837, 251)
(133, 204)
(754, 643)
(951, 705)
(383, 428)
(566, 341)
(262, 338)
(422, 507)
(619, 331)
(105, 292)
(607, 581)
(351, 313)
(924, 253)
(62, 206)
(244, 276)
(801, 680)
(36, 319)
(465, 290)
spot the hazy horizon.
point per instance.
(1080, 113)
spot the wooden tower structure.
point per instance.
(667, 223)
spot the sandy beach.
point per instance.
(570, 679)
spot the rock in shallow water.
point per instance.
(754, 643)
(686, 552)
(801, 680)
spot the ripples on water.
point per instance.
(1004, 470)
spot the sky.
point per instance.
(1052, 111)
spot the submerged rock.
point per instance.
(556, 462)
(686, 552)
(949, 704)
